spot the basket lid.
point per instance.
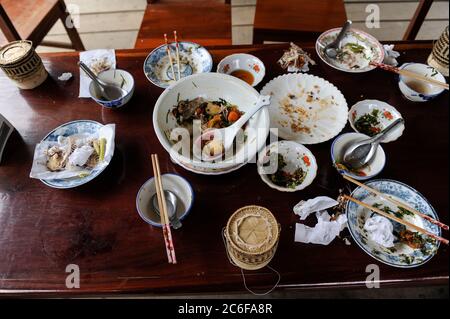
(14, 51)
(253, 230)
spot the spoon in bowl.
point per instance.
(331, 49)
(220, 140)
(109, 91)
(171, 203)
(361, 153)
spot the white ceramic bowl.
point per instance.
(338, 148)
(294, 155)
(242, 61)
(387, 115)
(171, 182)
(409, 86)
(211, 86)
(118, 77)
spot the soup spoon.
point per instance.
(172, 201)
(222, 139)
(109, 91)
(331, 50)
(361, 153)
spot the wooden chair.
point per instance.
(33, 19)
(419, 17)
(296, 20)
(200, 21)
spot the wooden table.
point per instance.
(97, 227)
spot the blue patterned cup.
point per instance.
(118, 77)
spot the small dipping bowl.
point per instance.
(419, 91)
(386, 115)
(118, 77)
(372, 169)
(171, 182)
(243, 66)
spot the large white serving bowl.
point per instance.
(212, 86)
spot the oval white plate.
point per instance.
(388, 114)
(293, 154)
(305, 108)
(357, 63)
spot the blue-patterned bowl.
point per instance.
(67, 129)
(401, 255)
(193, 59)
(118, 77)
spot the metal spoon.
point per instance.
(109, 91)
(224, 137)
(331, 49)
(171, 203)
(362, 152)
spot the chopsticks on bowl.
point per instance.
(398, 220)
(396, 202)
(178, 53)
(170, 56)
(409, 74)
(170, 249)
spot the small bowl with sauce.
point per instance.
(246, 67)
(419, 91)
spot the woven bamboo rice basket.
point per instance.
(252, 235)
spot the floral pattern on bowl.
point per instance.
(194, 59)
(379, 111)
(295, 156)
(401, 255)
(246, 62)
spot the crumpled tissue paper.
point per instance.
(380, 230)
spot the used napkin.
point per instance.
(98, 61)
(324, 232)
(320, 203)
(295, 59)
(390, 56)
(380, 230)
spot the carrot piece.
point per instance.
(233, 116)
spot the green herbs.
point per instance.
(369, 123)
(400, 213)
(355, 48)
(286, 179)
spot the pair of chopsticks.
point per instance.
(409, 74)
(170, 55)
(399, 204)
(170, 249)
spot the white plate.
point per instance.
(295, 155)
(305, 108)
(387, 115)
(371, 48)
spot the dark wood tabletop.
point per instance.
(97, 227)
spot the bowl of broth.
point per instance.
(416, 90)
(246, 67)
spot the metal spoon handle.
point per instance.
(341, 34)
(383, 133)
(89, 73)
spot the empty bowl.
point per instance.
(420, 91)
(368, 171)
(243, 66)
(171, 182)
(117, 77)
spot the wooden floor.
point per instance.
(115, 23)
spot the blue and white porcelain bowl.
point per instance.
(68, 129)
(370, 170)
(171, 182)
(194, 59)
(118, 77)
(400, 255)
(419, 91)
